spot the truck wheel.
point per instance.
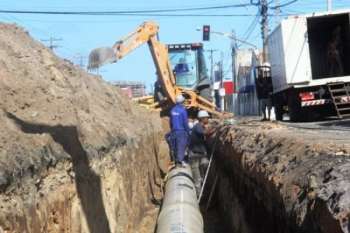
(278, 102)
(279, 112)
(294, 109)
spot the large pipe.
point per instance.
(180, 210)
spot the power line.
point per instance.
(123, 12)
(133, 14)
(251, 27)
(264, 6)
(283, 5)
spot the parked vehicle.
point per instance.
(310, 65)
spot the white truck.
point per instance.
(310, 65)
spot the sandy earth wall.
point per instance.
(75, 154)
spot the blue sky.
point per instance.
(80, 34)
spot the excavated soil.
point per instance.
(75, 154)
(278, 179)
(78, 156)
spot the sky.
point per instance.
(78, 35)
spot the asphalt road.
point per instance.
(328, 125)
(326, 131)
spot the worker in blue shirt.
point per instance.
(179, 129)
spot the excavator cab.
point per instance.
(188, 65)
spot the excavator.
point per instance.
(166, 82)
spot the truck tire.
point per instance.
(279, 112)
(278, 101)
(294, 109)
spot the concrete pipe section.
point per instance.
(180, 210)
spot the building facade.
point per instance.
(132, 89)
(245, 99)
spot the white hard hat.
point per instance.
(203, 114)
(179, 99)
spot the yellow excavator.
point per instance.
(148, 33)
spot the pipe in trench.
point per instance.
(180, 209)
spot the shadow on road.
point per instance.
(88, 183)
(340, 123)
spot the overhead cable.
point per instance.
(283, 5)
(123, 12)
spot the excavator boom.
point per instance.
(148, 33)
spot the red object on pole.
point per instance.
(206, 32)
(229, 87)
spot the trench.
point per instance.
(276, 184)
(234, 207)
(213, 221)
(120, 191)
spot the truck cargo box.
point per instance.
(329, 40)
(310, 50)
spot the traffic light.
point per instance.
(206, 32)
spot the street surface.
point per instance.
(329, 130)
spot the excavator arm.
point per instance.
(148, 33)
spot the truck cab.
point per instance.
(188, 65)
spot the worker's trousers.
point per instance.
(171, 143)
(180, 142)
(199, 166)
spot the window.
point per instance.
(184, 66)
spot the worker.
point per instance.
(264, 83)
(179, 129)
(334, 54)
(198, 156)
(158, 94)
(182, 66)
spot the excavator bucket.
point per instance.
(101, 56)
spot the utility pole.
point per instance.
(221, 90)
(211, 51)
(234, 47)
(277, 11)
(80, 60)
(212, 76)
(329, 5)
(52, 41)
(233, 52)
(264, 27)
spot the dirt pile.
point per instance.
(75, 154)
(274, 179)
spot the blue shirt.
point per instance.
(197, 141)
(179, 118)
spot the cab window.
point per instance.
(185, 67)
